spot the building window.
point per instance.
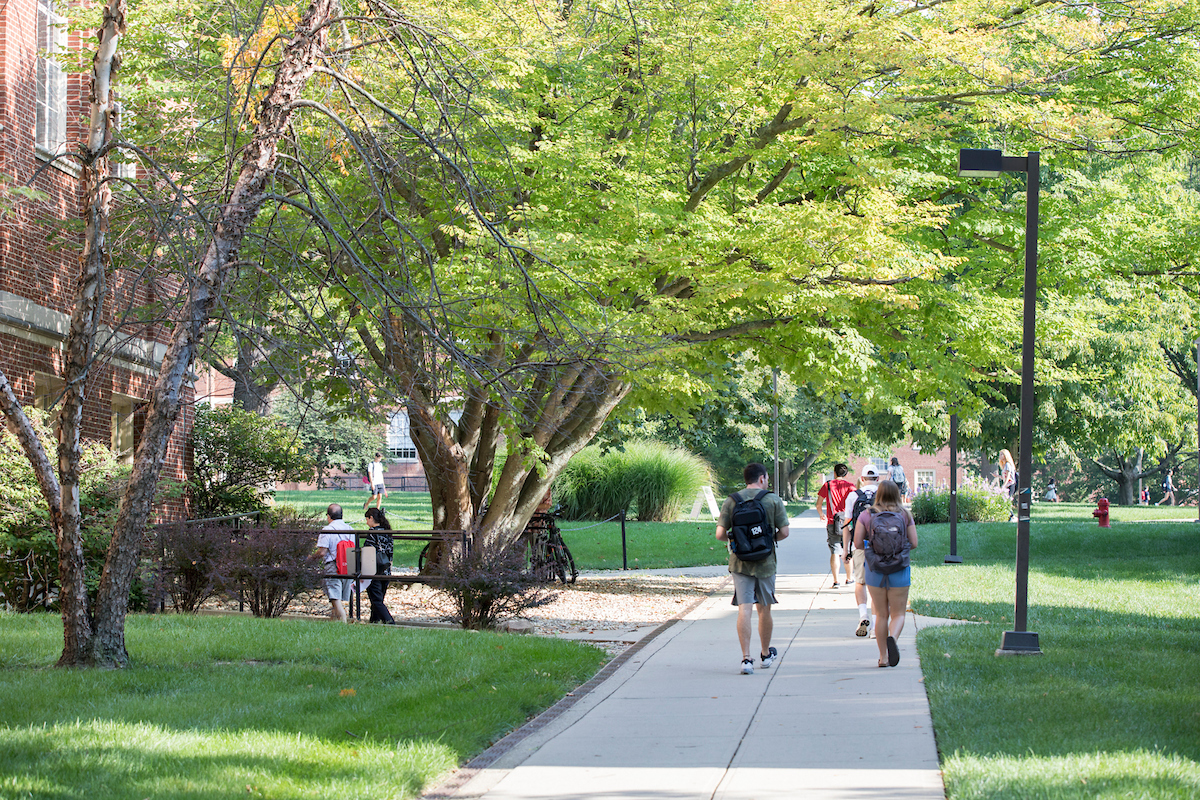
(51, 126)
(47, 391)
(124, 429)
(399, 439)
(924, 480)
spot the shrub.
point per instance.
(976, 503)
(189, 562)
(28, 549)
(491, 582)
(268, 567)
(655, 479)
(238, 455)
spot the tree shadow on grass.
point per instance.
(1114, 682)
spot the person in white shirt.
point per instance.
(336, 589)
(857, 558)
(375, 480)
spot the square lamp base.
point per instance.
(953, 559)
(1019, 643)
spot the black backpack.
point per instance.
(751, 534)
(862, 502)
(888, 537)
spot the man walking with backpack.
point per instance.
(831, 500)
(335, 536)
(857, 502)
(752, 521)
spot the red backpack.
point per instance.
(343, 546)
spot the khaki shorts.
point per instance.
(750, 589)
(858, 567)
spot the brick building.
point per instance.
(43, 114)
(923, 470)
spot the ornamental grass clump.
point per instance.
(653, 479)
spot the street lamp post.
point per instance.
(954, 557)
(989, 164)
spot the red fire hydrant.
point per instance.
(1101, 512)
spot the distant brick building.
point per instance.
(924, 471)
(43, 113)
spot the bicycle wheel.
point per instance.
(421, 558)
(558, 564)
(569, 565)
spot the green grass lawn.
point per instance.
(1112, 707)
(219, 707)
(648, 545)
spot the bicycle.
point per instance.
(549, 556)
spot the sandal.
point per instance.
(893, 652)
(882, 664)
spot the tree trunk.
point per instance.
(213, 269)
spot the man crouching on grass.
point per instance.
(754, 581)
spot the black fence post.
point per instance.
(624, 550)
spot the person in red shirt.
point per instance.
(831, 497)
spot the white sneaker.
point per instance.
(769, 657)
(863, 627)
(747, 666)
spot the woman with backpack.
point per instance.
(381, 540)
(896, 473)
(888, 533)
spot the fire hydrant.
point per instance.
(1101, 512)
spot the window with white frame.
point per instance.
(51, 122)
(399, 438)
(924, 479)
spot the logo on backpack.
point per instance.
(344, 546)
(888, 552)
(751, 534)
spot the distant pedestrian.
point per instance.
(889, 591)
(857, 502)
(1145, 496)
(754, 581)
(896, 476)
(1168, 487)
(1052, 491)
(1006, 473)
(377, 522)
(831, 501)
(336, 589)
(378, 489)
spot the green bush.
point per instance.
(237, 456)
(654, 480)
(28, 550)
(976, 503)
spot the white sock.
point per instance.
(862, 611)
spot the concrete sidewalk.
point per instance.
(677, 720)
